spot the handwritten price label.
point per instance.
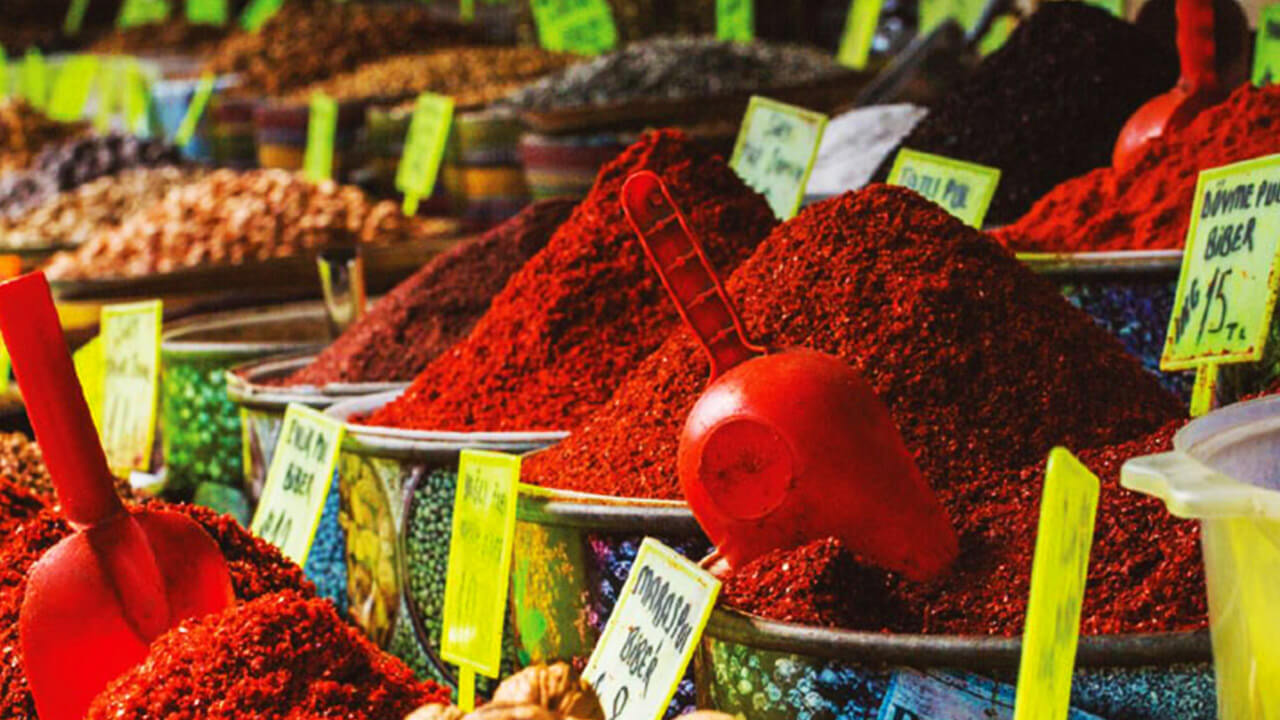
(35, 78)
(131, 352)
(1227, 288)
(298, 481)
(585, 27)
(1266, 49)
(257, 13)
(652, 634)
(89, 370)
(735, 20)
(1068, 510)
(210, 12)
(322, 127)
(424, 149)
(962, 189)
(195, 110)
(142, 12)
(72, 87)
(934, 12)
(475, 591)
(859, 30)
(775, 150)
(74, 19)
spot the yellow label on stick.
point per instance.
(195, 110)
(585, 27)
(72, 87)
(1068, 510)
(424, 149)
(652, 634)
(131, 352)
(137, 95)
(775, 150)
(35, 78)
(735, 20)
(209, 12)
(859, 30)
(257, 13)
(322, 127)
(962, 189)
(1266, 47)
(142, 12)
(298, 481)
(965, 12)
(1227, 287)
(90, 371)
(74, 18)
(5, 89)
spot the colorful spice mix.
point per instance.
(437, 306)
(1145, 572)
(1048, 104)
(983, 364)
(279, 656)
(583, 311)
(257, 569)
(1149, 206)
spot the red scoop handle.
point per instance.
(55, 403)
(1196, 47)
(685, 272)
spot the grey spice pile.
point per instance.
(677, 68)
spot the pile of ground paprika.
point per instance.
(1149, 206)
(436, 306)
(582, 312)
(982, 363)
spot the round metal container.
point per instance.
(199, 425)
(389, 478)
(770, 670)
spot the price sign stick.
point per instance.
(74, 19)
(424, 148)
(1068, 510)
(1202, 391)
(859, 30)
(191, 120)
(35, 78)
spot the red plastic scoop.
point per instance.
(1197, 88)
(787, 447)
(96, 600)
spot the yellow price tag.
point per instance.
(322, 126)
(90, 371)
(475, 592)
(934, 12)
(72, 87)
(1227, 287)
(131, 350)
(584, 27)
(424, 149)
(962, 189)
(1266, 48)
(1068, 510)
(735, 20)
(195, 110)
(209, 12)
(35, 78)
(137, 95)
(652, 634)
(298, 481)
(859, 30)
(5, 90)
(775, 150)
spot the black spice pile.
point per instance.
(1048, 105)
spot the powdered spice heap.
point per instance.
(585, 310)
(983, 364)
(280, 656)
(1144, 573)
(1149, 206)
(437, 306)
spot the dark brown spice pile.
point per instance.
(437, 306)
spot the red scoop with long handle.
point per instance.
(96, 600)
(1197, 88)
(784, 447)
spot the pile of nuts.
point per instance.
(305, 42)
(75, 216)
(230, 217)
(474, 76)
(25, 131)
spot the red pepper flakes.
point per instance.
(279, 657)
(17, 505)
(437, 306)
(983, 364)
(257, 568)
(585, 310)
(1149, 206)
(1145, 571)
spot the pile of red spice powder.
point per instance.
(982, 363)
(257, 569)
(581, 313)
(17, 505)
(437, 306)
(1145, 572)
(1149, 206)
(280, 656)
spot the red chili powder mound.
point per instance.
(982, 363)
(257, 568)
(1145, 572)
(437, 306)
(281, 656)
(1149, 206)
(585, 310)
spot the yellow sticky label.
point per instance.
(652, 634)
(130, 383)
(483, 530)
(195, 110)
(89, 368)
(72, 87)
(298, 481)
(585, 27)
(322, 126)
(735, 20)
(1266, 48)
(424, 147)
(962, 189)
(1068, 510)
(1202, 392)
(1227, 287)
(775, 150)
(859, 30)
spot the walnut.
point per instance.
(512, 711)
(556, 687)
(436, 711)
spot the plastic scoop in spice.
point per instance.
(784, 447)
(96, 600)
